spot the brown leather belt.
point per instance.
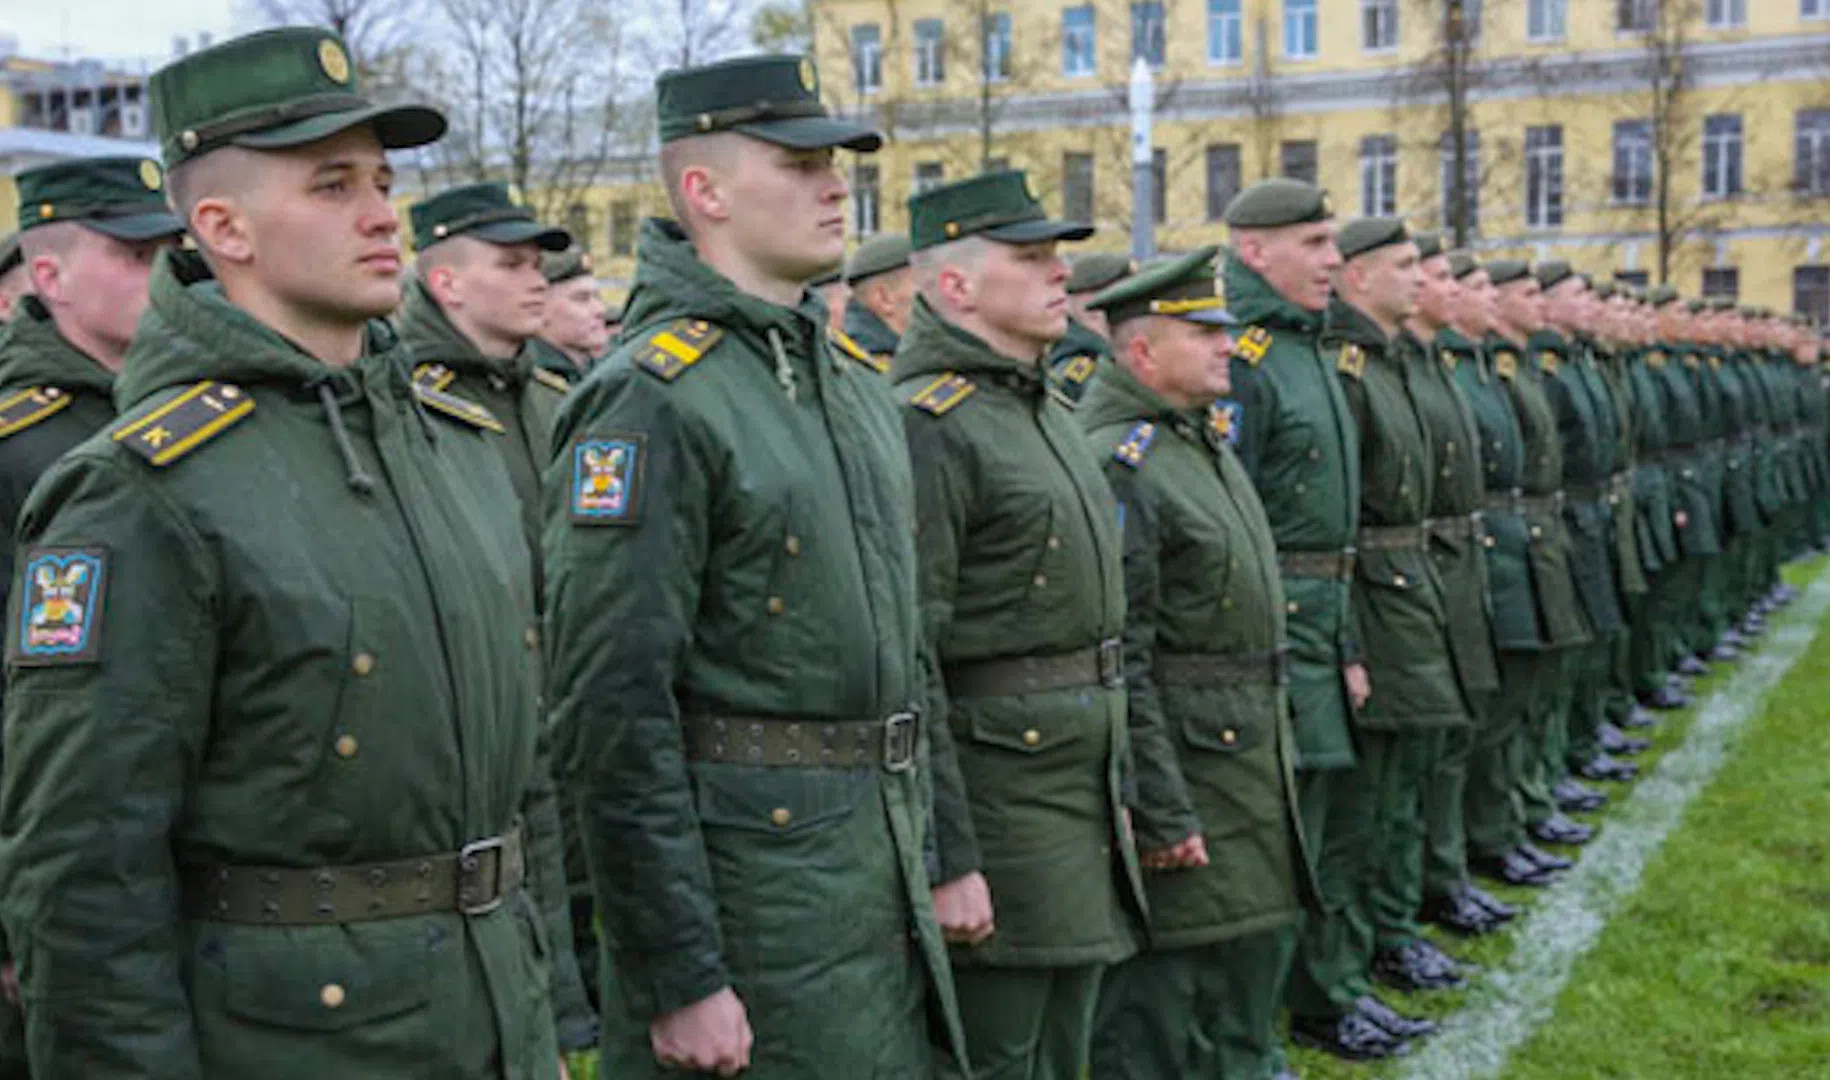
(472, 881)
(1328, 565)
(1393, 538)
(1223, 669)
(1463, 527)
(1100, 665)
(792, 742)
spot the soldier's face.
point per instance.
(786, 209)
(575, 317)
(1522, 305)
(1299, 262)
(1397, 280)
(1021, 291)
(501, 289)
(892, 296)
(97, 288)
(1193, 360)
(1437, 291)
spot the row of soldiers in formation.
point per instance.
(906, 706)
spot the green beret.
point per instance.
(10, 255)
(1271, 203)
(1429, 244)
(558, 266)
(1097, 269)
(1368, 234)
(999, 206)
(1606, 290)
(1462, 263)
(1660, 295)
(1551, 273)
(772, 98)
(122, 197)
(490, 212)
(1181, 288)
(1506, 271)
(272, 90)
(878, 255)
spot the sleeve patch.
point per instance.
(27, 407)
(60, 611)
(1253, 344)
(607, 479)
(943, 394)
(1223, 420)
(1352, 361)
(457, 408)
(186, 422)
(552, 380)
(1131, 452)
(676, 347)
(433, 376)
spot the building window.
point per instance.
(1079, 54)
(1225, 32)
(866, 58)
(1378, 25)
(997, 47)
(1814, 9)
(1379, 175)
(1147, 40)
(1635, 16)
(1159, 183)
(928, 175)
(1722, 282)
(1296, 159)
(1639, 279)
(1811, 162)
(930, 52)
(1722, 156)
(866, 200)
(1544, 177)
(1811, 292)
(1470, 181)
(1077, 186)
(1632, 161)
(1726, 14)
(1473, 13)
(1222, 178)
(1300, 30)
(622, 228)
(1547, 20)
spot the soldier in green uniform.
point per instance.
(94, 228)
(730, 497)
(882, 295)
(574, 332)
(13, 283)
(276, 784)
(1214, 809)
(1696, 505)
(1086, 348)
(1023, 603)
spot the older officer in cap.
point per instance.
(276, 778)
(882, 295)
(1023, 601)
(1078, 356)
(13, 283)
(1215, 808)
(576, 330)
(734, 626)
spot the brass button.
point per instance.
(781, 816)
(1447, 472)
(532, 637)
(346, 746)
(777, 605)
(1039, 580)
(1226, 603)
(1489, 541)
(1536, 532)
(1451, 447)
(1032, 737)
(1315, 454)
(363, 663)
(1229, 736)
(792, 545)
(1054, 543)
(1301, 488)
(1291, 607)
(332, 996)
(1400, 580)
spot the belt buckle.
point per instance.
(899, 742)
(470, 883)
(1111, 662)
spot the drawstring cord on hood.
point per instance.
(784, 373)
(360, 482)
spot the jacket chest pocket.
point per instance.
(758, 569)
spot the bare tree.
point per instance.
(783, 26)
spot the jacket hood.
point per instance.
(431, 337)
(34, 353)
(672, 282)
(1251, 299)
(932, 344)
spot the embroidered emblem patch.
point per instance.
(1223, 420)
(607, 480)
(60, 613)
(1253, 344)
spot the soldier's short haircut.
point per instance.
(716, 151)
(968, 252)
(54, 239)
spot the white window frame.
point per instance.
(1379, 176)
(1544, 165)
(1379, 22)
(930, 53)
(996, 61)
(1225, 32)
(1302, 17)
(866, 199)
(867, 59)
(1811, 151)
(1080, 42)
(1640, 163)
(1724, 154)
(1725, 14)
(1546, 21)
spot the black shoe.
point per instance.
(1692, 666)
(1351, 1038)
(1558, 829)
(1603, 767)
(1575, 798)
(1459, 914)
(1753, 625)
(1391, 1021)
(1640, 717)
(1615, 741)
(1668, 698)
(1542, 859)
(1288, 1074)
(1724, 653)
(1413, 967)
(1513, 868)
(1499, 909)
(1732, 638)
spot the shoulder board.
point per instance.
(1506, 365)
(1449, 357)
(1077, 370)
(1715, 362)
(1253, 344)
(27, 407)
(850, 347)
(1655, 358)
(1352, 361)
(1131, 452)
(457, 408)
(552, 380)
(434, 376)
(677, 346)
(186, 422)
(1691, 361)
(1548, 361)
(943, 394)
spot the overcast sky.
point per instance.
(120, 30)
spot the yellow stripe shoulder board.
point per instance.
(552, 380)
(1506, 364)
(187, 421)
(943, 393)
(848, 345)
(1352, 361)
(675, 347)
(462, 409)
(25, 408)
(435, 376)
(1253, 344)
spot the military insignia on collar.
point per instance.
(1131, 452)
(1223, 421)
(1253, 344)
(1691, 362)
(607, 479)
(434, 376)
(1449, 357)
(1078, 370)
(677, 346)
(1548, 361)
(1352, 361)
(28, 407)
(185, 422)
(943, 394)
(552, 380)
(60, 614)
(333, 60)
(1506, 365)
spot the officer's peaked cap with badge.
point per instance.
(1097, 270)
(1429, 243)
(273, 90)
(558, 266)
(772, 97)
(493, 213)
(1271, 204)
(1462, 263)
(1507, 271)
(999, 206)
(878, 255)
(122, 197)
(1363, 236)
(1184, 288)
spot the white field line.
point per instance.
(1511, 1001)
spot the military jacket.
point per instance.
(1740, 481)
(1397, 595)
(1020, 557)
(1702, 363)
(1296, 438)
(871, 334)
(729, 534)
(271, 618)
(1691, 492)
(1585, 428)
(1201, 581)
(1622, 505)
(1076, 360)
(1511, 596)
(1654, 528)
